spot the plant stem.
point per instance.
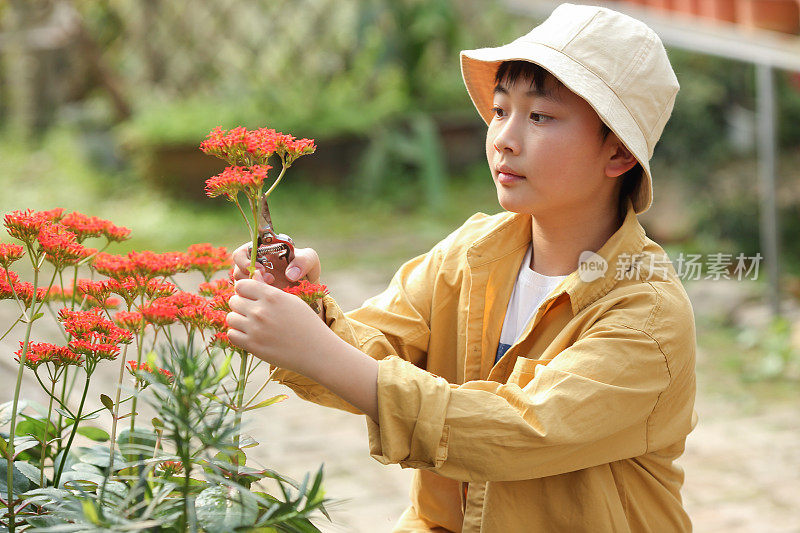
(10, 450)
(139, 342)
(47, 426)
(240, 386)
(12, 327)
(115, 416)
(278, 180)
(75, 423)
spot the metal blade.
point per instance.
(264, 219)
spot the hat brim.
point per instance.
(478, 68)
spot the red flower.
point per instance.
(93, 336)
(25, 225)
(94, 350)
(131, 321)
(170, 468)
(290, 148)
(160, 313)
(146, 264)
(25, 292)
(43, 352)
(221, 340)
(158, 289)
(207, 259)
(10, 253)
(309, 292)
(128, 288)
(218, 286)
(90, 226)
(234, 180)
(240, 146)
(8, 279)
(135, 369)
(60, 245)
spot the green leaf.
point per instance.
(270, 401)
(224, 369)
(5, 411)
(25, 443)
(19, 481)
(225, 509)
(64, 413)
(107, 402)
(247, 441)
(96, 434)
(29, 471)
(36, 427)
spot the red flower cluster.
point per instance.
(135, 368)
(129, 320)
(8, 281)
(43, 352)
(218, 286)
(10, 284)
(93, 336)
(97, 298)
(61, 246)
(170, 468)
(10, 253)
(84, 226)
(23, 289)
(240, 146)
(234, 180)
(25, 225)
(145, 264)
(159, 313)
(308, 292)
(207, 259)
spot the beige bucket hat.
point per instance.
(614, 62)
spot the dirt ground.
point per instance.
(742, 461)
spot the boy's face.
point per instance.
(545, 150)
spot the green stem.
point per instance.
(47, 423)
(74, 431)
(284, 166)
(240, 386)
(12, 327)
(246, 220)
(139, 342)
(115, 417)
(10, 450)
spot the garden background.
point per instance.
(103, 105)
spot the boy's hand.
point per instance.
(283, 330)
(275, 326)
(305, 264)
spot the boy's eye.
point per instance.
(497, 111)
(538, 117)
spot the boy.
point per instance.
(536, 367)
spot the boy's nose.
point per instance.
(507, 140)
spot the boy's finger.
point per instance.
(249, 288)
(305, 263)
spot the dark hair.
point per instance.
(511, 71)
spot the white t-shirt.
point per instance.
(530, 290)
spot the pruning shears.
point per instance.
(275, 251)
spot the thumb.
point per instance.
(305, 264)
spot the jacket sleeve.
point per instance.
(589, 405)
(395, 322)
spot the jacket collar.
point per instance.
(513, 235)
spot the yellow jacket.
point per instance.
(578, 425)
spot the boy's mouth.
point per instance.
(507, 174)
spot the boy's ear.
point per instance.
(621, 160)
